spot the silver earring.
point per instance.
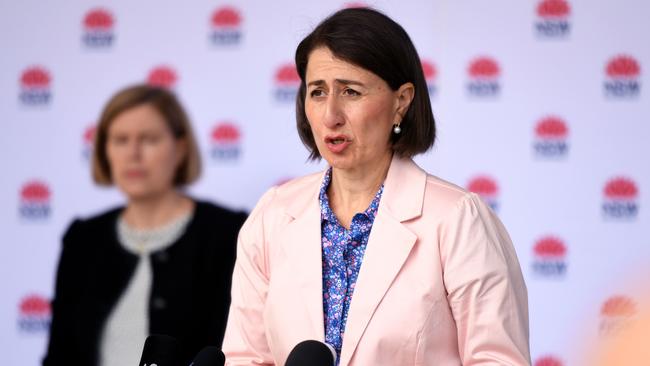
(396, 129)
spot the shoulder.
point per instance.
(461, 211)
(298, 187)
(211, 219)
(280, 204)
(83, 231)
(446, 199)
(444, 192)
(94, 224)
(289, 195)
(210, 210)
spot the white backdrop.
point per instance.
(541, 106)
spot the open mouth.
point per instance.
(336, 141)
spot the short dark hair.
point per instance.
(165, 103)
(373, 41)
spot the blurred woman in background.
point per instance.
(160, 264)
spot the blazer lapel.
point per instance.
(302, 242)
(389, 245)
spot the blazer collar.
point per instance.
(389, 246)
(403, 194)
(301, 240)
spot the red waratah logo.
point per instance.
(484, 186)
(623, 67)
(621, 189)
(225, 140)
(226, 17)
(552, 19)
(34, 305)
(89, 134)
(551, 137)
(618, 306)
(550, 247)
(429, 70)
(35, 200)
(550, 253)
(287, 82)
(35, 192)
(98, 28)
(548, 361)
(553, 9)
(551, 128)
(225, 24)
(622, 74)
(34, 314)
(35, 78)
(287, 74)
(98, 19)
(225, 133)
(88, 141)
(485, 68)
(430, 73)
(484, 75)
(487, 188)
(35, 86)
(162, 76)
(620, 198)
(615, 313)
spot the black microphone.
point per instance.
(160, 350)
(311, 353)
(209, 356)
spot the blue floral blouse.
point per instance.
(342, 256)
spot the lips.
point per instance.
(337, 143)
(134, 173)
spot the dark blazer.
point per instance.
(190, 292)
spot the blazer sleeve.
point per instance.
(61, 347)
(485, 286)
(245, 341)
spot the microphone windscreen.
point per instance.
(160, 350)
(209, 356)
(311, 353)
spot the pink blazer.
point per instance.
(440, 283)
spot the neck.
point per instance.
(156, 211)
(351, 191)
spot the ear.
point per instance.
(404, 95)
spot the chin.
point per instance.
(340, 162)
(137, 196)
(137, 193)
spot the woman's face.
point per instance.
(351, 111)
(142, 152)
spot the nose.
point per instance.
(135, 149)
(334, 116)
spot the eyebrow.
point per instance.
(338, 81)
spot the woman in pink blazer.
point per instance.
(387, 264)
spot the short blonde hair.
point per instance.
(166, 103)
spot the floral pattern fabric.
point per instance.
(343, 252)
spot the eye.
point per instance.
(118, 139)
(351, 92)
(151, 138)
(316, 93)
